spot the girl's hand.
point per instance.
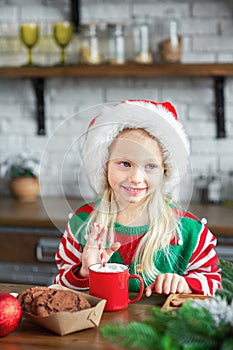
(168, 283)
(91, 254)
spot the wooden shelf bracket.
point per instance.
(75, 14)
(38, 84)
(219, 106)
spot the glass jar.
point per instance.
(215, 189)
(142, 50)
(11, 49)
(90, 45)
(170, 49)
(116, 40)
(46, 52)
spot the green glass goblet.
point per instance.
(29, 35)
(63, 34)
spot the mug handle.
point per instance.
(131, 301)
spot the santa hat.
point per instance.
(158, 119)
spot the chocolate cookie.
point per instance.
(44, 301)
(27, 297)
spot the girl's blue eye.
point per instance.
(150, 166)
(125, 164)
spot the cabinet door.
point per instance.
(28, 244)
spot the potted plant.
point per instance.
(23, 172)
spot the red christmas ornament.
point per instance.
(10, 313)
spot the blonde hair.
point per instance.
(162, 223)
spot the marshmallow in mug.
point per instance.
(110, 267)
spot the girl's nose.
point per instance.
(136, 175)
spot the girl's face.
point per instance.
(135, 167)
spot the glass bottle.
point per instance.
(170, 48)
(11, 48)
(46, 52)
(90, 46)
(142, 50)
(214, 189)
(116, 40)
(202, 184)
(231, 185)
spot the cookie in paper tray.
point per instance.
(64, 322)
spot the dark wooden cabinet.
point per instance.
(28, 244)
(27, 254)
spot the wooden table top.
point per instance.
(30, 336)
(56, 210)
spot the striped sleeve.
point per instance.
(202, 273)
(68, 259)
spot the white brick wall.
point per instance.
(207, 31)
(211, 9)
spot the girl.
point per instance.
(136, 153)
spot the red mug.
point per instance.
(111, 283)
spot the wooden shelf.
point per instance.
(126, 70)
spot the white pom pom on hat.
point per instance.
(158, 119)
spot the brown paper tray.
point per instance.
(175, 301)
(63, 323)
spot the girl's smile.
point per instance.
(134, 191)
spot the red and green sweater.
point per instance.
(195, 258)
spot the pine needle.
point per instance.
(227, 280)
(193, 326)
(227, 269)
(160, 319)
(131, 335)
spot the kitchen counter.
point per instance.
(31, 232)
(37, 214)
(15, 213)
(30, 336)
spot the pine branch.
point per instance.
(131, 335)
(227, 280)
(160, 319)
(227, 269)
(193, 327)
(188, 328)
(228, 284)
(227, 344)
(225, 294)
(189, 339)
(138, 335)
(198, 320)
